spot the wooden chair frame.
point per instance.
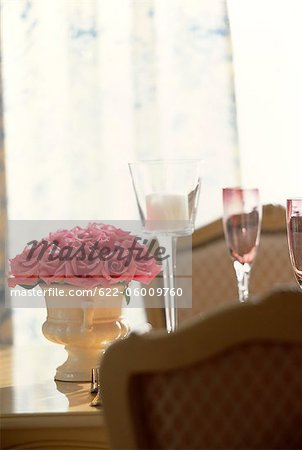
(278, 318)
(273, 221)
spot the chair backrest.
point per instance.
(213, 276)
(229, 380)
(214, 281)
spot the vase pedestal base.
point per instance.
(79, 363)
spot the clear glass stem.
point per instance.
(169, 242)
(243, 277)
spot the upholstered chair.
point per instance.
(227, 380)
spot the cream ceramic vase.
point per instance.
(85, 325)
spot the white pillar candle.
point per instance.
(171, 210)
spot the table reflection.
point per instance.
(28, 386)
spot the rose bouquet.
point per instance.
(96, 255)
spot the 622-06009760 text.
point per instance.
(101, 291)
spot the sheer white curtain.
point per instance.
(267, 40)
(90, 85)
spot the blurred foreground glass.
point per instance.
(167, 193)
(294, 235)
(242, 213)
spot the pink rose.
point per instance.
(24, 271)
(97, 255)
(146, 267)
(118, 271)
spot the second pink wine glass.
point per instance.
(294, 235)
(242, 213)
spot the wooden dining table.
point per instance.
(40, 413)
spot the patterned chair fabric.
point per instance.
(214, 281)
(246, 398)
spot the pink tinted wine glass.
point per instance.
(294, 235)
(242, 213)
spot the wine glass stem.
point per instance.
(243, 276)
(169, 243)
